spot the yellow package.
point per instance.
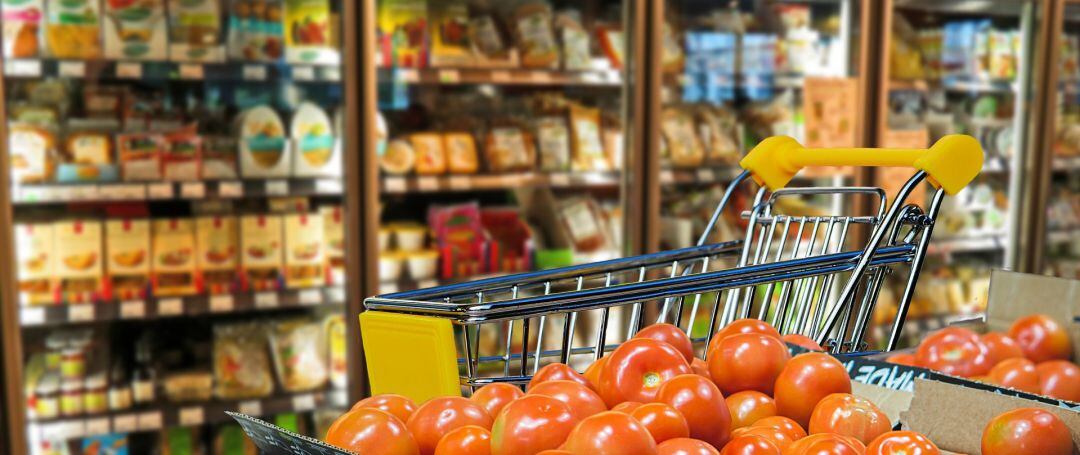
(174, 257)
(34, 250)
(217, 244)
(304, 259)
(127, 244)
(309, 32)
(430, 156)
(334, 241)
(684, 146)
(261, 252)
(460, 153)
(586, 145)
(78, 261)
(73, 29)
(509, 149)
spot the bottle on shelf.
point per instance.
(143, 375)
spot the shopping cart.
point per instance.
(795, 271)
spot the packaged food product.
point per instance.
(22, 28)
(135, 30)
(78, 253)
(460, 153)
(34, 249)
(719, 135)
(401, 31)
(684, 146)
(390, 265)
(188, 386)
(430, 156)
(554, 139)
(614, 140)
(422, 264)
(487, 42)
(195, 31)
(409, 236)
(334, 328)
(218, 158)
(450, 34)
(255, 30)
(217, 244)
(174, 256)
(103, 101)
(73, 29)
(241, 365)
(672, 51)
(304, 259)
(261, 255)
(334, 240)
(308, 32)
(508, 149)
(127, 243)
(584, 224)
(575, 42)
(586, 145)
(181, 158)
(71, 398)
(535, 38)
(400, 158)
(140, 156)
(299, 349)
(31, 151)
(613, 43)
(459, 236)
(264, 150)
(47, 397)
(88, 157)
(314, 139)
(95, 393)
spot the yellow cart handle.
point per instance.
(951, 163)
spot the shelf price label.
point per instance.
(122, 191)
(26, 68)
(221, 303)
(251, 408)
(129, 70)
(97, 426)
(81, 313)
(125, 423)
(501, 76)
(427, 183)
(449, 76)
(667, 176)
(32, 316)
(303, 73)
(160, 190)
(254, 72)
(394, 185)
(170, 307)
(277, 187)
(193, 190)
(71, 69)
(231, 189)
(191, 71)
(192, 416)
(149, 421)
(560, 179)
(459, 182)
(310, 297)
(304, 402)
(328, 186)
(706, 175)
(265, 300)
(133, 309)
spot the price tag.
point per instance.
(500, 77)
(254, 72)
(192, 416)
(540, 77)
(394, 185)
(193, 190)
(81, 313)
(133, 309)
(335, 294)
(251, 408)
(231, 189)
(706, 175)
(277, 187)
(64, 430)
(25, 68)
(149, 421)
(129, 70)
(122, 192)
(160, 190)
(310, 297)
(170, 307)
(427, 183)
(331, 73)
(125, 423)
(81, 193)
(449, 76)
(221, 303)
(459, 182)
(191, 71)
(328, 186)
(560, 179)
(427, 284)
(387, 288)
(72, 69)
(303, 73)
(32, 316)
(305, 402)
(407, 76)
(667, 176)
(97, 426)
(266, 300)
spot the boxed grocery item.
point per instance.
(136, 30)
(304, 257)
(460, 153)
(140, 156)
(195, 31)
(314, 141)
(182, 155)
(402, 30)
(460, 239)
(73, 29)
(255, 30)
(261, 259)
(430, 155)
(334, 239)
(309, 30)
(174, 257)
(127, 244)
(217, 245)
(31, 149)
(507, 148)
(264, 149)
(34, 250)
(88, 157)
(22, 28)
(79, 271)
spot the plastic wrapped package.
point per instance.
(299, 355)
(241, 365)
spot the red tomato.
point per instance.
(672, 335)
(1059, 379)
(610, 433)
(747, 361)
(699, 367)
(742, 326)
(637, 368)
(826, 444)
(785, 424)
(493, 397)
(662, 421)
(685, 446)
(750, 444)
(627, 406)
(530, 424)
(903, 359)
(467, 440)
(807, 379)
(555, 452)
(592, 373)
(749, 406)
(802, 341)
(583, 402)
(1041, 338)
(954, 350)
(1016, 373)
(702, 404)
(1026, 431)
(849, 415)
(398, 406)
(780, 438)
(557, 372)
(1000, 347)
(432, 420)
(902, 443)
(369, 430)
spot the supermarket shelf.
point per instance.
(38, 194)
(956, 84)
(165, 415)
(172, 71)
(704, 176)
(465, 76)
(974, 244)
(1058, 236)
(1066, 164)
(166, 307)
(443, 183)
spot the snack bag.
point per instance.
(140, 156)
(460, 153)
(508, 149)
(255, 30)
(588, 150)
(299, 349)
(22, 27)
(135, 30)
(308, 32)
(195, 31)
(241, 365)
(430, 156)
(535, 37)
(73, 29)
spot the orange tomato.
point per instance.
(903, 359)
(1059, 379)
(806, 379)
(1000, 347)
(610, 433)
(627, 406)
(699, 367)
(672, 335)
(902, 443)
(467, 440)
(662, 421)
(849, 415)
(398, 406)
(636, 370)
(583, 402)
(702, 404)
(685, 446)
(1016, 373)
(955, 351)
(438, 416)
(557, 372)
(493, 397)
(802, 341)
(530, 424)
(1026, 431)
(369, 430)
(826, 444)
(1041, 338)
(742, 326)
(747, 361)
(780, 438)
(749, 406)
(555, 452)
(750, 444)
(592, 373)
(785, 424)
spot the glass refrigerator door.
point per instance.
(177, 196)
(1062, 256)
(502, 137)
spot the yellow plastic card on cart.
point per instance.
(410, 355)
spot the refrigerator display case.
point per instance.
(1062, 210)
(175, 175)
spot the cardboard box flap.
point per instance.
(274, 440)
(891, 402)
(1015, 295)
(954, 417)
